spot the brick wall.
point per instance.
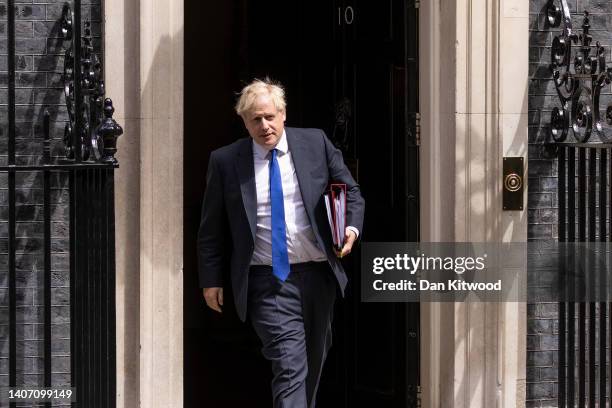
(542, 200)
(39, 83)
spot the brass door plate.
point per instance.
(513, 184)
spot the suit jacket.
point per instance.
(227, 227)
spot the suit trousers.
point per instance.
(293, 320)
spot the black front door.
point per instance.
(349, 67)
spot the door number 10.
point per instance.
(349, 15)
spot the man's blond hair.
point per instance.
(258, 87)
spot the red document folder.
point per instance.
(335, 204)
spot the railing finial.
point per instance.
(105, 141)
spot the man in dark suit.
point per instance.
(264, 211)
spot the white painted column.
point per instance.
(437, 167)
(513, 101)
(144, 72)
(121, 63)
(474, 100)
(161, 203)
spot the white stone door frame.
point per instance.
(471, 355)
(473, 89)
(144, 76)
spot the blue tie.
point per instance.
(280, 256)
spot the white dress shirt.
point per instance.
(301, 241)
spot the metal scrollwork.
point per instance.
(579, 81)
(98, 126)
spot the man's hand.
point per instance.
(349, 240)
(214, 298)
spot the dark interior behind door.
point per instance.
(350, 68)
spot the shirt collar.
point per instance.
(282, 146)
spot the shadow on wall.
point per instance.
(127, 189)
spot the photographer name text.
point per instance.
(425, 285)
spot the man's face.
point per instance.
(264, 122)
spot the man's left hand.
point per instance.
(349, 240)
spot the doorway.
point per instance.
(349, 67)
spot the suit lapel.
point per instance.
(246, 177)
(302, 162)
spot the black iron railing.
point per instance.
(581, 74)
(90, 144)
(584, 194)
